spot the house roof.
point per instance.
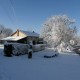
(16, 38)
(30, 33)
(11, 38)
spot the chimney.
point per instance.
(17, 32)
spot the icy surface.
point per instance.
(64, 67)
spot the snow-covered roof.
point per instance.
(27, 33)
(11, 38)
(30, 33)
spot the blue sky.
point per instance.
(31, 14)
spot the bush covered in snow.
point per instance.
(16, 48)
(64, 47)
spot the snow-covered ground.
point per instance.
(63, 67)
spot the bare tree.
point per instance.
(5, 32)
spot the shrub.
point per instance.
(8, 50)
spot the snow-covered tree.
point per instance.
(77, 39)
(5, 32)
(58, 29)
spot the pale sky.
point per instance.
(31, 14)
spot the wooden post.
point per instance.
(30, 55)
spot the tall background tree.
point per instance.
(58, 29)
(5, 32)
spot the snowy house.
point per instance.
(21, 36)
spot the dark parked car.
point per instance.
(77, 49)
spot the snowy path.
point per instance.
(63, 67)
